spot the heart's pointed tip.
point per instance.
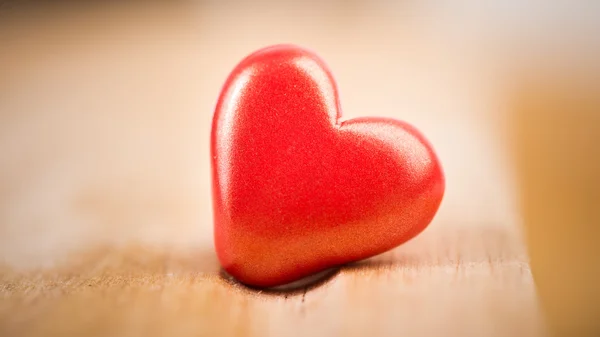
(278, 284)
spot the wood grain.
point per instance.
(440, 282)
(105, 215)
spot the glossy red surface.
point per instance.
(296, 190)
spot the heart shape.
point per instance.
(296, 190)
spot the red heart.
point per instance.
(295, 189)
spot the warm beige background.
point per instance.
(556, 135)
(105, 217)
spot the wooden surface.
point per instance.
(105, 216)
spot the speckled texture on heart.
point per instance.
(295, 189)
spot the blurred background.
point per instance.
(105, 114)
